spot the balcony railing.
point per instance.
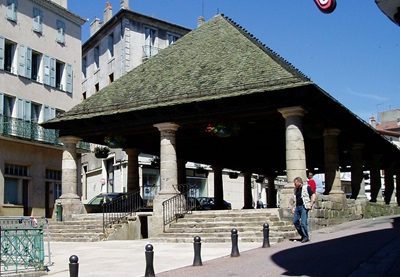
(19, 128)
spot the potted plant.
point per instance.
(101, 152)
(222, 130)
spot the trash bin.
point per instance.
(59, 212)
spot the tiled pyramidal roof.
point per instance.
(218, 59)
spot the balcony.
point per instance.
(19, 128)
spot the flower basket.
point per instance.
(101, 152)
(222, 130)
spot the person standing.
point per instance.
(304, 199)
(311, 182)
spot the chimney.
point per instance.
(372, 122)
(95, 26)
(200, 21)
(62, 3)
(125, 4)
(107, 12)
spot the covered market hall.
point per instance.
(220, 97)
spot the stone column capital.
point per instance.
(166, 126)
(69, 139)
(132, 151)
(292, 111)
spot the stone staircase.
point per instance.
(80, 228)
(216, 226)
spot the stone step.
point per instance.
(164, 239)
(261, 220)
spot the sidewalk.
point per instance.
(360, 248)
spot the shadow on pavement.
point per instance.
(336, 257)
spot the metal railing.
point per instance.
(22, 245)
(179, 205)
(121, 207)
(19, 128)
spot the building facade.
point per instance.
(40, 73)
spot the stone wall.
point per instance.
(331, 210)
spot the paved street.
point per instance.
(361, 248)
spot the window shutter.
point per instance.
(69, 79)
(21, 60)
(46, 79)
(12, 10)
(52, 72)
(60, 32)
(20, 108)
(1, 103)
(2, 44)
(27, 110)
(37, 20)
(49, 113)
(28, 63)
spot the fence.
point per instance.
(22, 245)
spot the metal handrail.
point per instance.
(119, 208)
(179, 205)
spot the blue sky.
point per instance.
(353, 54)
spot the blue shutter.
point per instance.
(1, 103)
(2, 44)
(28, 63)
(60, 32)
(46, 79)
(49, 113)
(69, 79)
(20, 108)
(27, 110)
(52, 72)
(21, 60)
(12, 10)
(37, 20)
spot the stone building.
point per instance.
(40, 65)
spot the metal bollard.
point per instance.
(149, 254)
(73, 266)
(235, 249)
(197, 251)
(266, 236)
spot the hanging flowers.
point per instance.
(222, 130)
(114, 141)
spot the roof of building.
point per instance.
(220, 73)
(237, 63)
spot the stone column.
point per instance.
(389, 183)
(333, 184)
(218, 187)
(356, 170)
(271, 202)
(133, 182)
(295, 152)
(70, 201)
(375, 179)
(248, 199)
(168, 175)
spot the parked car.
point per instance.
(207, 203)
(95, 204)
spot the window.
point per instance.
(37, 20)
(16, 170)
(60, 32)
(96, 87)
(59, 74)
(111, 45)
(12, 6)
(35, 112)
(84, 96)
(7, 55)
(84, 66)
(36, 61)
(172, 38)
(7, 105)
(111, 78)
(150, 40)
(96, 56)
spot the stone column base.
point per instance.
(69, 207)
(156, 221)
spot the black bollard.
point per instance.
(266, 236)
(197, 251)
(73, 266)
(235, 249)
(149, 261)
